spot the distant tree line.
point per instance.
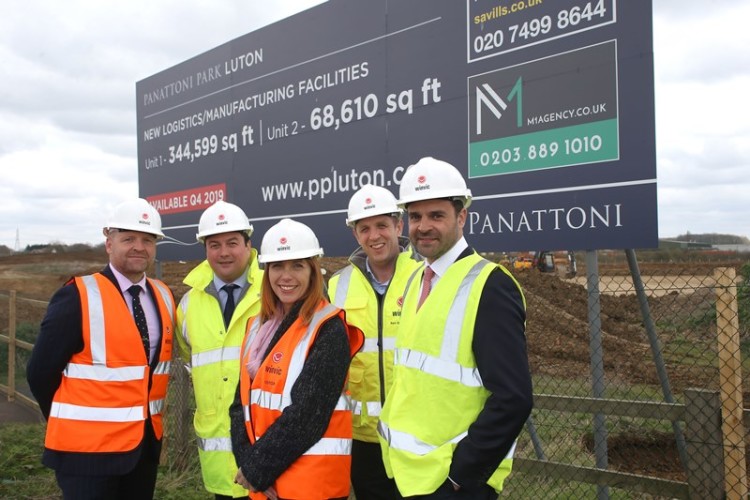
(56, 247)
(714, 238)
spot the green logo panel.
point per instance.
(574, 145)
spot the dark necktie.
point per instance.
(229, 306)
(426, 285)
(140, 318)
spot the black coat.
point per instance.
(60, 337)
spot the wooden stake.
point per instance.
(730, 380)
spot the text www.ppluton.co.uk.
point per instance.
(335, 182)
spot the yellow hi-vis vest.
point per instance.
(214, 355)
(370, 374)
(437, 390)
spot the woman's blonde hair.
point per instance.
(270, 305)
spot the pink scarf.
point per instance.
(260, 343)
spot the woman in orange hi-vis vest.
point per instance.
(291, 418)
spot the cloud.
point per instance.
(68, 151)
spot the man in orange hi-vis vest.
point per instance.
(100, 366)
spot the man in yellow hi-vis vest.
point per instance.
(461, 382)
(211, 322)
(371, 289)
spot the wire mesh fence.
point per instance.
(628, 425)
(655, 351)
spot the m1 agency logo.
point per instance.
(487, 97)
(553, 112)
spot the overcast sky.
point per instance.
(68, 122)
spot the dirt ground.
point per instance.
(557, 316)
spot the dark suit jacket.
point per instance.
(60, 336)
(499, 347)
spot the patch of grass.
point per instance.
(22, 475)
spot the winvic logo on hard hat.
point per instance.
(284, 246)
(144, 220)
(422, 180)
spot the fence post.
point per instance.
(730, 382)
(12, 346)
(703, 435)
(183, 436)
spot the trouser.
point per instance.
(369, 479)
(138, 484)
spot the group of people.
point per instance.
(405, 376)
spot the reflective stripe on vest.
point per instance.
(331, 446)
(156, 406)
(215, 444)
(439, 367)
(215, 356)
(342, 288)
(278, 402)
(184, 325)
(371, 344)
(96, 320)
(373, 408)
(163, 367)
(93, 414)
(166, 297)
(103, 373)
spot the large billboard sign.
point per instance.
(546, 107)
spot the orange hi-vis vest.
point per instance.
(104, 397)
(322, 471)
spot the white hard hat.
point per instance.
(431, 179)
(223, 217)
(370, 201)
(135, 215)
(288, 240)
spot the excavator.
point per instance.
(561, 262)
